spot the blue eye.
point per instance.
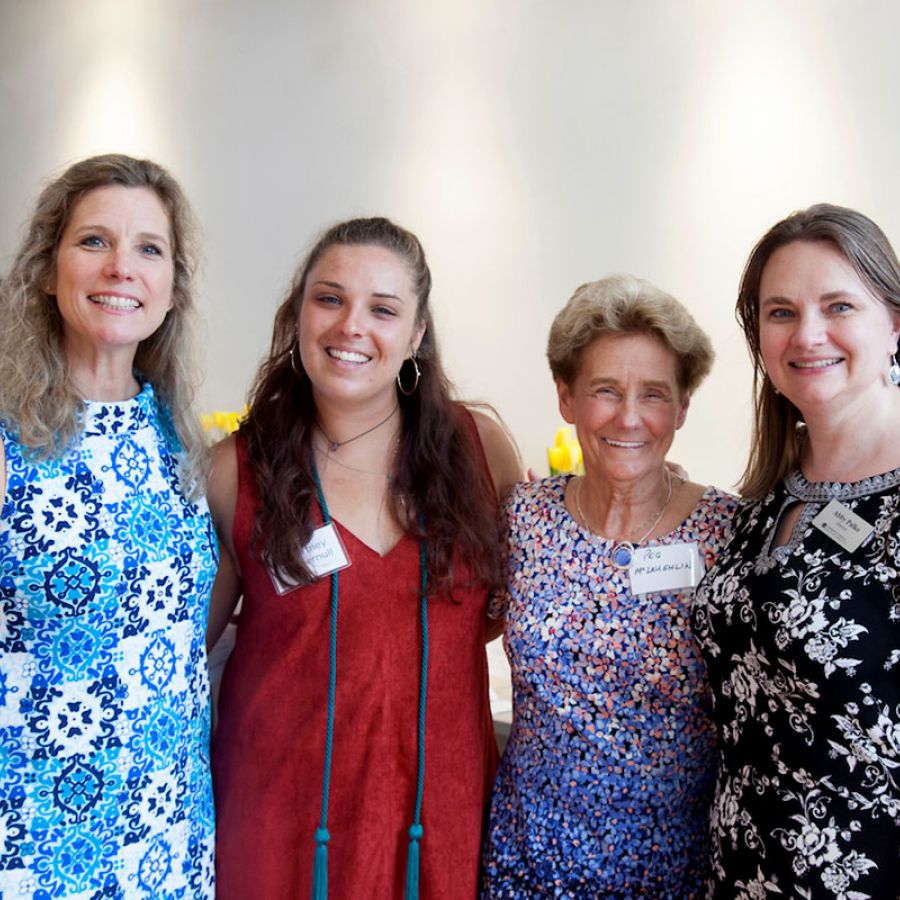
(780, 313)
(383, 311)
(328, 299)
(151, 250)
(840, 307)
(92, 240)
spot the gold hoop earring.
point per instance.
(298, 372)
(412, 390)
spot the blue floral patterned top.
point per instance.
(105, 574)
(605, 785)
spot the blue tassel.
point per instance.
(412, 863)
(320, 865)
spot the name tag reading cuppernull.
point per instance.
(323, 555)
(666, 568)
(843, 525)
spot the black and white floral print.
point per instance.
(802, 644)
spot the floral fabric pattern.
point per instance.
(105, 574)
(802, 643)
(605, 784)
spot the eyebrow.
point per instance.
(383, 295)
(823, 298)
(142, 236)
(597, 382)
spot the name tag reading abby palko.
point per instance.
(668, 567)
(323, 555)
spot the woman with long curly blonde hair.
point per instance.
(106, 556)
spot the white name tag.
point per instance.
(323, 555)
(666, 568)
(843, 525)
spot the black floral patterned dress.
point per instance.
(802, 644)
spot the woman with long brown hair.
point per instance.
(799, 620)
(357, 512)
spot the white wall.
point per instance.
(531, 145)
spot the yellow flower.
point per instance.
(565, 454)
(220, 424)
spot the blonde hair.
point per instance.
(36, 398)
(778, 427)
(623, 304)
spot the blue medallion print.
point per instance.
(105, 574)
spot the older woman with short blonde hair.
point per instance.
(605, 785)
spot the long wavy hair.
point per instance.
(36, 396)
(778, 427)
(439, 471)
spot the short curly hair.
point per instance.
(621, 305)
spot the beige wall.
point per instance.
(532, 145)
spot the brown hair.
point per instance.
(35, 395)
(778, 430)
(623, 304)
(439, 465)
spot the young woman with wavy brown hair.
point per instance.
(356, 508)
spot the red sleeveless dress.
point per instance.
(268, 752)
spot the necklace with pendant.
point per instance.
(336, 445)
(622, 552)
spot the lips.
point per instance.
(114, 301)
(350, 356)
(625, 445)
(807, 364)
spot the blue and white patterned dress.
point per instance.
(605, 785)
(105, 574)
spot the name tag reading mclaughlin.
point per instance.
(668, 567)
(323, 555)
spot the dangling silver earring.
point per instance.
(297, 372)
(894, 371)
(412, 390)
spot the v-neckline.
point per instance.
(368, 547)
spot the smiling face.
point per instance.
(357, 324)
(113, 273)
(826, 339)
(626, 406)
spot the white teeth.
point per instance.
(629, 445)
(111, 302)
(348, 355)
(816, 364)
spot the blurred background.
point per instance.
(532, 146)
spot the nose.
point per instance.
(351, 321)
(118, 266)
(809, 330)
(628, 413)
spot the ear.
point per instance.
(418, 334)
(895, 332)
(565, 401)
(682, 414)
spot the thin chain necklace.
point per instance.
(622, 552)
(336, 445)
(392, 449)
